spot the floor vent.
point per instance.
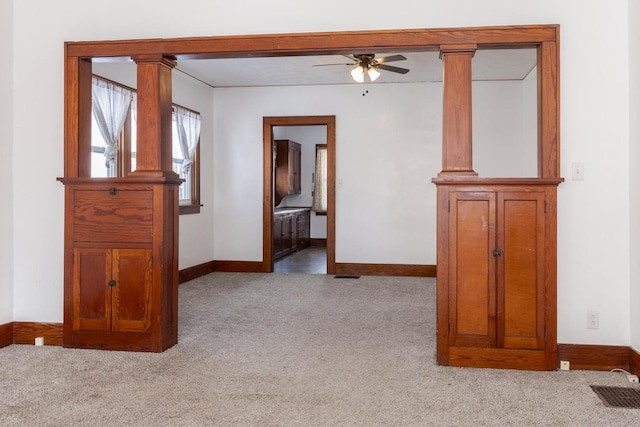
(345, 276)
(618, 397)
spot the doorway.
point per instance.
(268, 191)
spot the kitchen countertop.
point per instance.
(287, 210)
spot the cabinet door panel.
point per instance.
(99, 216)
(132, 293)
(91, 292)
(472, 269)
(520, 270)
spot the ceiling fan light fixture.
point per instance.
(373, 74)
(358, 74)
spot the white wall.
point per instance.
(634, 181)
(308, 137)
(196, 230)
(593, 238)
(502, 145)
(6, 162)
(388, 147)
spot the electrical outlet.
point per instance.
(565, 365)
(39, 341)
(593, 319)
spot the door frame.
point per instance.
(268, 183)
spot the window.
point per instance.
(118, 157)
(319, 203)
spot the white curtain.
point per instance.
(110, 105)
(319, 203)
(188, 125)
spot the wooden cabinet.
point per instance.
(283, 235)
(287, 169)
(121, 263)
(303, 230)
(496, 291)
(112, 290)
(291, 231)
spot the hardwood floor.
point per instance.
(312, 260)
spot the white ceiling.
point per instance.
(498, 64)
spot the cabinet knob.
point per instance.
(112, 283)
(497, 252)
(112, 191)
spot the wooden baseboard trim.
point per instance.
(240, 266)
(634, 362)
(594, 357)
(6, 334)
(386, 269)
(196, 271)
(26, 333)
(318, 242)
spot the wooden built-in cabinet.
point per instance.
(496, 267)
(121, 275)
(291, 231)
(497, 292)
(287, 174)
(112, 289)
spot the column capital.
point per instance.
(468, 49)
(167, 61)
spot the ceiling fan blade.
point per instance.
(324, 65)
(392, 69)
(390, 59)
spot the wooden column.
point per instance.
(456, 114)
(77, 117)
(154, 154)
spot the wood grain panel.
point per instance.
(411, 270)
(132, 293)
(154, 108)
(594, 357)
(520, 273)
(240, 266)
(91, 293)
(6, 334)
(314, 43)
(195, 271)
(472, 299)
(456, 111)
(121, 216)
(27, 332)
(497, 358)
(634, 361)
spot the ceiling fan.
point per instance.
(367, 63)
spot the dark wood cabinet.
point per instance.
(303, 230)
(121, 268)
(291, 231)
(287, 169)
(498, 294)
(112, 290)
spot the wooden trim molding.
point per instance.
(594, 357)
(6, 334)
(386, 269)
(268, 183)
(196, 271)
(318, 242)
(27, 332)
(240, 266)
(634, 361)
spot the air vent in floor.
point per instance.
(618, 397)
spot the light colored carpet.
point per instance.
(294, 350)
